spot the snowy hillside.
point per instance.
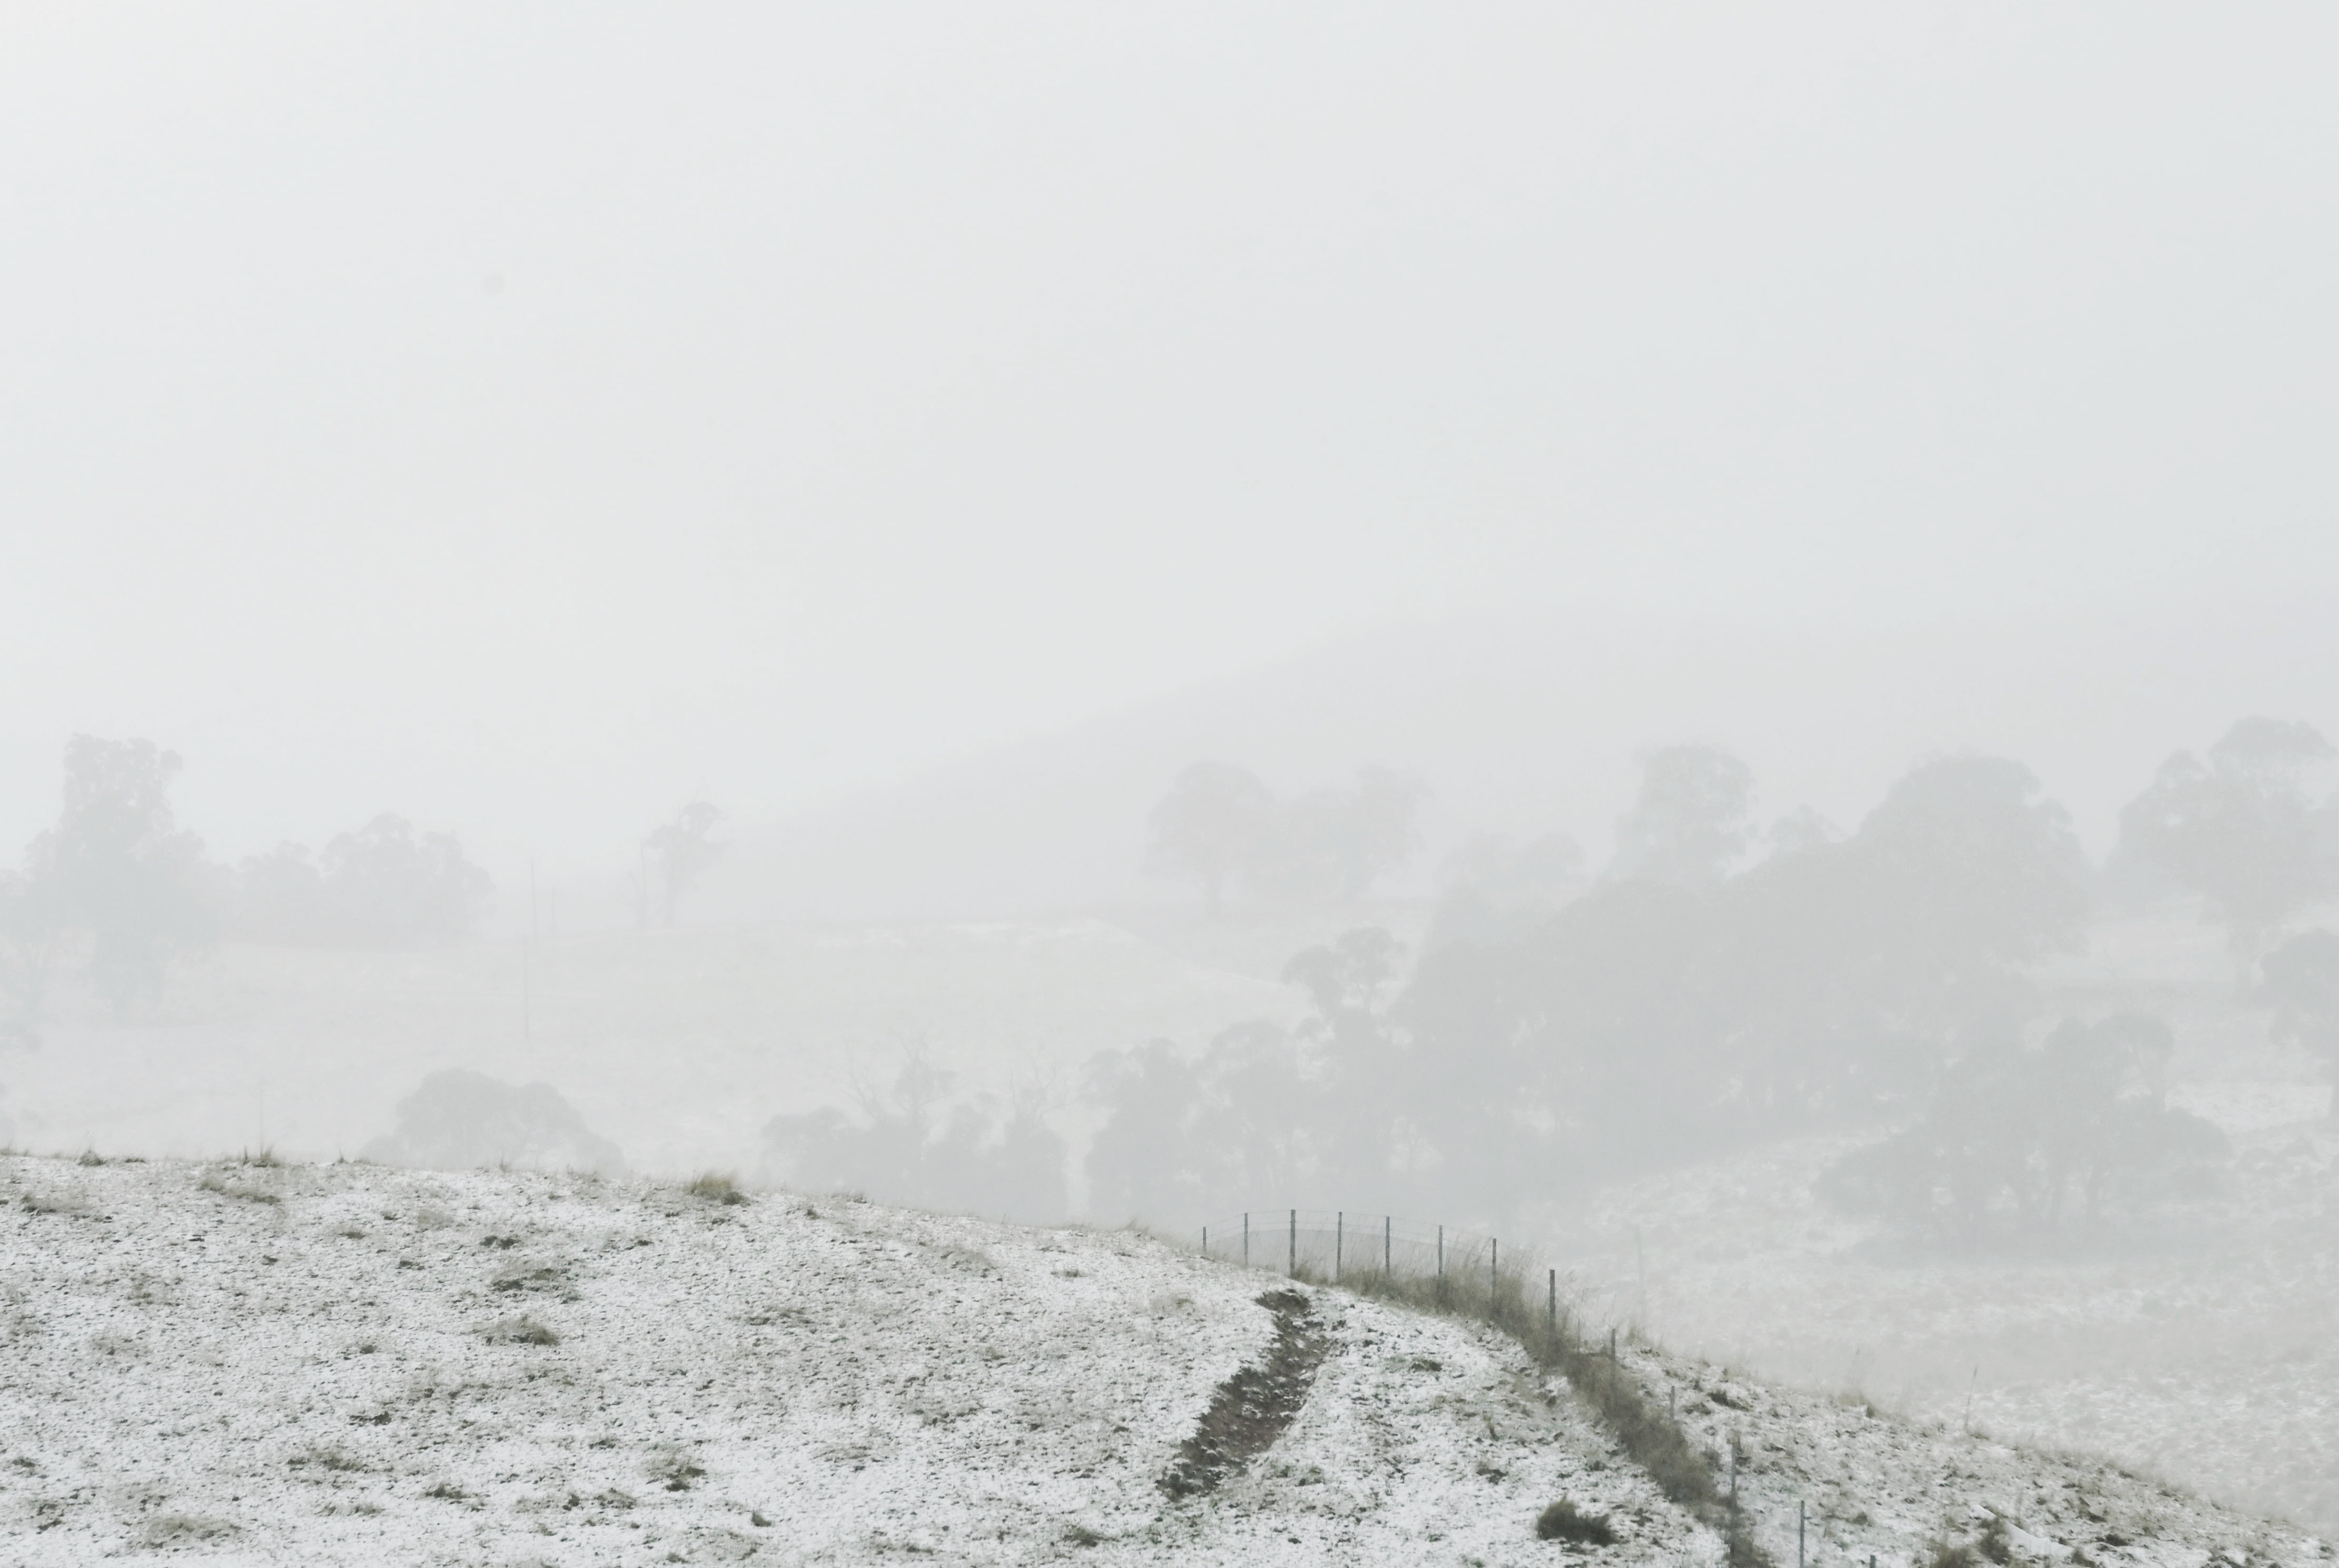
(346, 1364)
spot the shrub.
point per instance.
(1563, 1521)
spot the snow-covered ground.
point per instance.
(2201, 1344)
(347, 1364)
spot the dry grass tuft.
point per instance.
(520, 1330)
(214, 1181)
(1647, 1431)
(717, 1187)
(52, 1203)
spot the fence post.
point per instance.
(1387, 1225)
(1205, 1241)
(1494, 1270)
(1291, 1267)
(1441, 1265)
(1339, 1233)
(1551, 1308)
(1798, 1534)
(1245, 1241)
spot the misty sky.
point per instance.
(532, 417)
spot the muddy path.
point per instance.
(1251, 1409)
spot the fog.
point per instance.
(1700, 635)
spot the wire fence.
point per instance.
(1472, 1273)
(1447, 1266)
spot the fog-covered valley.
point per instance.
(1189, 783)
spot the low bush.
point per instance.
(1563, 1520)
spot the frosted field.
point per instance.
(328, 1365)
(2206, 1350)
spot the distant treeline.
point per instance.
(1718, 986)
(120, 887)
(119, 884)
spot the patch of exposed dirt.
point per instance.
(1251, 1409)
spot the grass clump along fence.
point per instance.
(1473, 1278)
(1564, 1522)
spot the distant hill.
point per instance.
(1527, 724)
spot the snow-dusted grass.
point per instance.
(335, 1364)
(348, 1375)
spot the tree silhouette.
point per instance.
(684, 848)
(1209, 827)
(1332, 845)
(1692, 820)
(380, 887)
(118, 865)
(385, 886)
(2238, 830)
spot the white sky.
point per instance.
(529, 417)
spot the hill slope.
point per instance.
(346, 1364)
